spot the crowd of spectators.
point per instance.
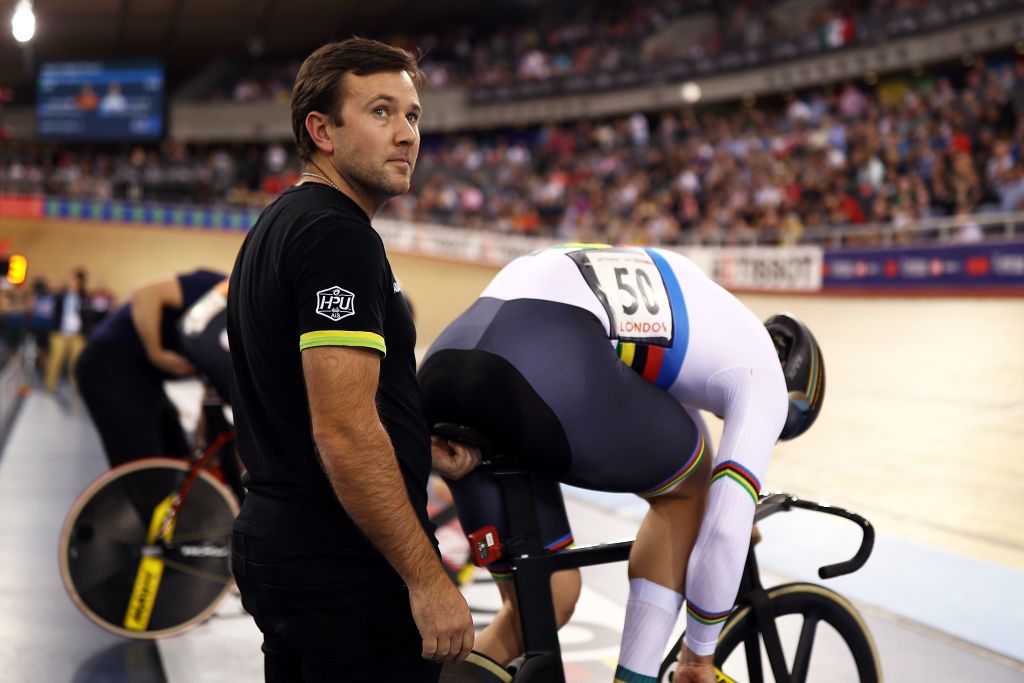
(257, 83)
(581, 38)
(236, 175)
(908, 149)
(841, 156)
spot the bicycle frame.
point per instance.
(531, 574)
(218, 434)
(754, 594)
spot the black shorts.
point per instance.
(126, 399)
(541, 380)
(328, 617)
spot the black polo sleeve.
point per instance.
(337, 269)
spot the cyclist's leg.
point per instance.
(670, 527)
(479, 503)
(502, 639)
(172, 436)
(657, 567)
(126, 400)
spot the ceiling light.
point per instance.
(690, 92)
(23, 23)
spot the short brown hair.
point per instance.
(318, 84)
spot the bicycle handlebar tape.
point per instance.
(476, 668)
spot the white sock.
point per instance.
(651, 613)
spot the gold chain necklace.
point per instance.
(323, 178)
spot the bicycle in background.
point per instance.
(145, 549)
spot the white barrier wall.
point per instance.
(774, 269)
(777, 269)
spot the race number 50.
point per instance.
(630, 286)
(645, 287)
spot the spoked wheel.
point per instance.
(133, 572)
(824, 640)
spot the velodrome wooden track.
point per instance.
(923, 425)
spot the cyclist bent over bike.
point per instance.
(121, 371)
(590, 362)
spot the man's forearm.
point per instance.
(146, 312)
(366, 478)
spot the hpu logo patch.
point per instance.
(335, 303)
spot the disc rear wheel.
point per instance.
(131, 574)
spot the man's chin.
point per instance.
(397, 186)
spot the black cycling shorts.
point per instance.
(125, 396)
(541, 380)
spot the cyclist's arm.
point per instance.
(752, 425)
(147, 314)
(357, 455)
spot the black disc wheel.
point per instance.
(135, 575)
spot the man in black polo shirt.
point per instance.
(331, 549)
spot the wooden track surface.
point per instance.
(119, 258)
(923, 425)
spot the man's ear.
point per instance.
(319, 127)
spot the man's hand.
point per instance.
(694, 668)
(341, 386)
(452, 459)
(443, 619)
(172, 363)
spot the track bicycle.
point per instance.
(145, 550)
(750, 635)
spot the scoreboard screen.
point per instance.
(102, 101)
